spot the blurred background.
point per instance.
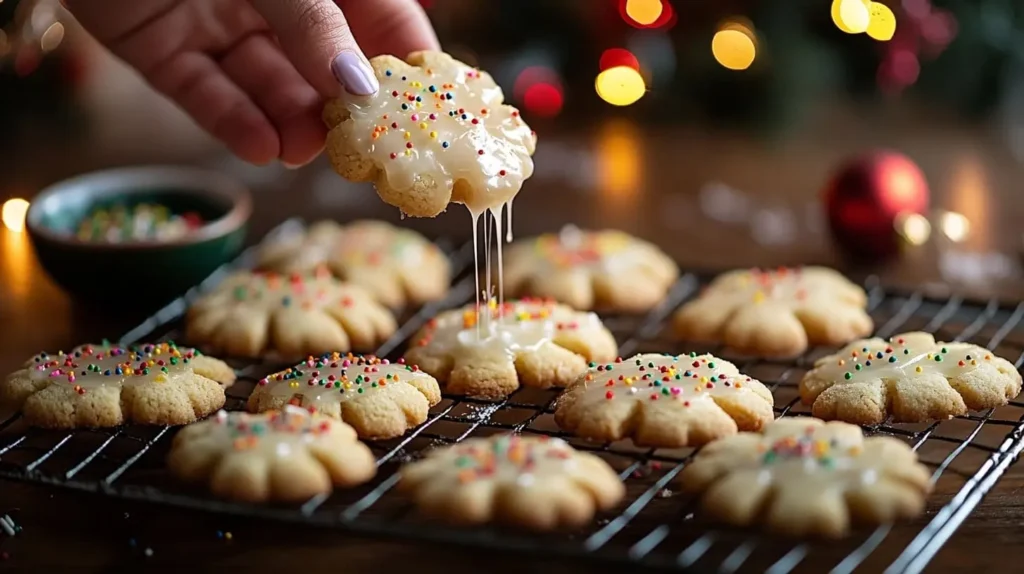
(689, 122)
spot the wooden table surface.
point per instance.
(711, 200)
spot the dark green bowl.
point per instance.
(140, 272)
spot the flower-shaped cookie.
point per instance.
(395, 265)
(590, 269)
(911, 377)
(436, 132)
(378, 398)
(803, 477)
(288, 456)
(295, 315)
(527, 481)
(106, 385)
(489, 353)
(776, 313)
(664, 401)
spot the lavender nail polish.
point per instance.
(354, 74)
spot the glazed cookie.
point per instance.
(664, 401)
(527, 481)
(776, 313)
(436, 132)
(397, 266)
(106, 385)
(804, 477)
(590, 269)
(911, 377)
(280, 456)
(531, 342)
(379, 399)
(249, 314)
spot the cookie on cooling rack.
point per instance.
(251, 314)
(803, 477)
(436, 132)
(283, 456)
(531, 342)
(606, 269)
(776, 313)
(107, 385)
(527, 481)
(664, 401)
(378, 398)
(911, 377)
(396, 266)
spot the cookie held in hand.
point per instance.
(437, 132)
(607, 270)
(531, 342)
(287, 456)
(107, 385)
(531, 482)
(776, 313)
(379, 399)
(911, 377)
(396, 266)
(250, 314)
(664, 401)
(804, 477)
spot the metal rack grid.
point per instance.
(655, 526)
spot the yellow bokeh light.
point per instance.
(644, 12)
(734, 47)
(851, 16)
(620, 86)
(914, 227)
(13, 214)
(955, 226)
(882, 26)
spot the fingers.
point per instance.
(219, 106)
(395, 27)
(259, 68)
(317, 39)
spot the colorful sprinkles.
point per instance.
(897, 358)
(485, 459)
(684, 378)
(343, 376)
(92, 366)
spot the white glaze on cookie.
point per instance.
(444, 122)
(272, 434)
(273, 290)
(505, 459)
(651, 377)
(339, 378)
(89, 367)
(505, 330)
(572, 247)
(902, 357)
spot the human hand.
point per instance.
(254, 73)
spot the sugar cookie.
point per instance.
(436, 132)
(107, 385)
(280, 456)
(397, 266)
(249, 314)
(664, 401)
(590, 269)
(911, 377)
(527, 481)
(531, 342)
(378, 398)
(776, 313)
(804, 477)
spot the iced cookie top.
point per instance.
(902, 357)
(374, 244)
(443, 121)
(91, 366)
(573, 247)
(787, 286)
(652, 377)
(274, 433)
(509, 459)
(339, 378)
(271, 291)
(504, 330)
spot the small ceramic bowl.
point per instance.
(140, 270)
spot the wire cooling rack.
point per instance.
(656, 526)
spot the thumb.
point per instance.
(317, 39)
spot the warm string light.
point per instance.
(864, 16)
(13, 214)
(734, 46)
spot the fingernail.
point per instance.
(354, 74)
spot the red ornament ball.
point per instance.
(865, 198)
